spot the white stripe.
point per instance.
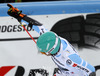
(86, 64)
(47, 46)
(81, 62)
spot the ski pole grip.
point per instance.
(9, 5)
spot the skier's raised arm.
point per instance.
(22, 18)
(37, 26)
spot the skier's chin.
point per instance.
(46, 54)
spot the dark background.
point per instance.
(12, 1)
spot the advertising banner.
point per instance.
(18, 53)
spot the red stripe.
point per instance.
(29, 34)
(5, 69)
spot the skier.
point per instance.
(61, 51)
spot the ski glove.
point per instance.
(15, 12)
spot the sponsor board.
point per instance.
(17, 48)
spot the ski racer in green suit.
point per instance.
(61, 51)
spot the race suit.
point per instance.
(67, 58)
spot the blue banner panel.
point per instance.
(55, 7)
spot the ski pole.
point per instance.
(16, 10)
(28, 33)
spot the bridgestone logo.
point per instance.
(13, 28)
